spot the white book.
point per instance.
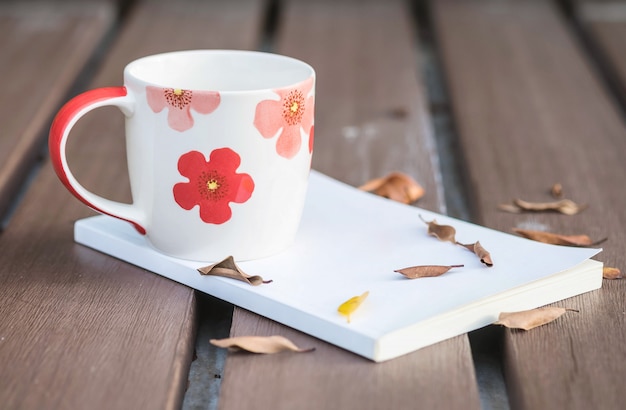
(350, 242)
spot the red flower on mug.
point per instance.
(213, 184)
(180, 102)
(290, 114)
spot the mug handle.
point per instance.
(62, 124)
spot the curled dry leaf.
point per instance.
(397, 186)
(444, 233)
(556, 191)
(564, 206)
(557, 239)
(426, 271)
(259, 344)
(611, 273)
(529, 319)
(478, 250)
(349, 306)
(228, 269)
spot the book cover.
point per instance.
(350, 242)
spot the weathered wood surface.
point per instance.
(370, 119)
(605, 23)
(530, 112)
(79, 329)
(60, 37)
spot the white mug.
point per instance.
(219, 147)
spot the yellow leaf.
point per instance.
(529, 319)
(259, 344)
(349, 306)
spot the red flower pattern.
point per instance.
(292, 113)
(180, 102)
(213, 184)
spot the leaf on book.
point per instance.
(349, 306)
(478, 250)
(229, 269)
(259, 344)
(426, 271)
(397, 186)
(529, 319)
(444, 233)
(557, 191)
(557, 239)
(611, 273)
(564, 206)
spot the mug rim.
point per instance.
(131, 68)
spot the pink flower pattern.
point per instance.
(292, 113)
(213, 184)
(180, 103)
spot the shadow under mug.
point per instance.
(219, 146)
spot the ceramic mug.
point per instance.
(219, 146)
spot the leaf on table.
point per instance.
(349, 306)
(529, 319)
(397, 186)
(564, 206)
(444, 233)
(229, 269)
(556, 191)
(557, 239)
(478, 250)
(611, 273)
(426, 271)
(259, 344)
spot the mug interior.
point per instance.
(219, 70)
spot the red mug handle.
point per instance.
(62, 124)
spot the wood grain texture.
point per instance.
(60, 37)
(370, 119)
(605, 22)
(79, 329)
(530, 112)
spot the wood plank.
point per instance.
(60, 37)
(530, 112)
(605, 23)
(80, 329)
(370, 119)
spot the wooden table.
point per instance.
(480, 101)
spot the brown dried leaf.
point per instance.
(529, 319)
(556, 191)
(611, 273)
(228, 269)
(557, 239)
(477, 248)
(259, 344)
(426, 271)
(444, 233)
(397, 186)
(564, 206)
(510, 208)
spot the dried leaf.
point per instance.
(349, 306)
(529, 319)
(564, 206)
(557, 239)
(228, 269)
(556, 191)
(611, 273)
(444, 233)
(477, 248)
(397, 186)
(510, 208)
(426, 271)
(260, 344)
